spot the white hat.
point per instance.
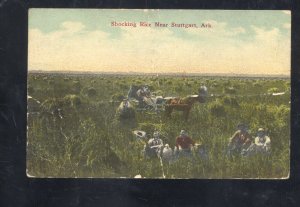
(183, 132)
(261, 130)
(139, 134)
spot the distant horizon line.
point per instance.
(158, 73)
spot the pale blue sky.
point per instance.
(83, 39)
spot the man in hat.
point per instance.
(141, 94)
(202, 92)
(240, 140)
(154, 146)
(262, 141)
(125, 110)
(184, 143)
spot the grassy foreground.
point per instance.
(90, 141)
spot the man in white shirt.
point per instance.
(262, 141)
(154, 146)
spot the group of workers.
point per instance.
(155, 146)
(139, 93)
(143, 91)
(241, 143)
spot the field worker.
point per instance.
(262, 141)
(202, 93)
(184, 144)
(125, 103)
(123, 107)
(241, 140)
(154, 146)
(141, 93)
(146, 91)
(125, 110)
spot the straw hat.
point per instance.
(183, 132)
(261, 130)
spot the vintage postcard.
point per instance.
(117, 93)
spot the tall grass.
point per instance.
(91, 142)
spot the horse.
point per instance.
(181, 104)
